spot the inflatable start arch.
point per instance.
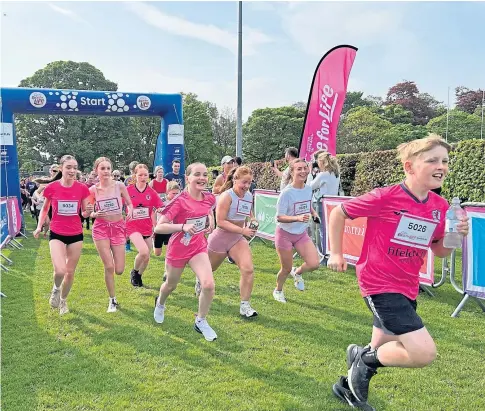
(170, 142)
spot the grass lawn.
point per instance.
(285, 359)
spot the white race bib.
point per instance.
(110, 204)
(198, 222)
(414, 231)
(67, 208)
(244, 207)
(140, 213)
(302, 207)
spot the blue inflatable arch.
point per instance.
(170, 142)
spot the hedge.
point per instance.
(363, 172)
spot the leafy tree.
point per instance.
(354, 99)
(461, 126)
(397, 114)
(198, 135)
(269, 131)
(300, 105)
(397, 134)
(223, 129)
(359, 129)
(468, 100)
(423, 106)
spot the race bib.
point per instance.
(414, 231)
(140, 213)
(67, 208)
(200, 223)
(302, 207)
(111, 204)
(244, 207)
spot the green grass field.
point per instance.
(286, 359)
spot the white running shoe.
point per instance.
(299, 283)
(203, 327)
(55, 298)
(63, 309)
(159, 312)
(247, 311)
(112, 306)
(198, 287)
(279, 296)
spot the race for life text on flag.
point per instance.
(325, 102)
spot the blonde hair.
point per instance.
(329, 163)
(138, 167)
(99, 160)
(173, 185)
(156, 170)
(188, 170)
(235, 174)
(289, 178)
(412, 149)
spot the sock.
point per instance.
(113, 300)
(158, 303)
(198, 319)
(55, 288)
(63, 299)
(244, 302)
(371, 360)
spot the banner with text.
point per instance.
(14, 216)
(474, 253)
(265, 212)
(4, 234)
(354, 232)
(325, 102)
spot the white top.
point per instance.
(240, 208)
(284, 176)
(292, 202)
(325, 183)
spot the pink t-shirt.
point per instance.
(66, 203)
(143, 204)
(184, 209)
(400, 229)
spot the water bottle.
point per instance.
(454, 215)
(186, 239)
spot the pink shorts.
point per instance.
(114, 231)
(221, 241)
(182, 262)
(287, 241)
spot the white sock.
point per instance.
(244, 302)
(55, 288)
(198, 319)
(113, 300)
(158, 303)
(63, 300)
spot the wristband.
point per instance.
(182, 227)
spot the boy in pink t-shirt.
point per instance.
(189, 216)
(403, 221)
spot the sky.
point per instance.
(170, 47)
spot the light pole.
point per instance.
(481, 128)
(239, 84)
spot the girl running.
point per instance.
(67, 197)
(109, 227)
(173, 189)
(139, 228)
(403, 221)
(234, 208)
(293, 212)
(188, 216)
(159, 184)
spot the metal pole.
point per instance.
(481, 128)
(239, 84)
(447, 113)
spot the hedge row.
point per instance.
(362, 172)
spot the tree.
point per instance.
(423, 106)
(46, 138)
(300, 105)
(359, 129)
(198, 135)
(269, 131)
(223, 129)
(468, 100)
(461, 126)
(397, 134)
(354, 99)
(397, 114)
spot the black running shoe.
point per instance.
(342, 391)
(140, 282)
(359, 376)
(353, 351)
(134, 278)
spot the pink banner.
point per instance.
(327, 96)
(14, 216)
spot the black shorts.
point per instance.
(161, 239)
(66, 239)
(394, 313)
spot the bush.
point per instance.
(377, 169)
(347, 164)
(466, 179)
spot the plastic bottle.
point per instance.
(186, 239)
(454, 215)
